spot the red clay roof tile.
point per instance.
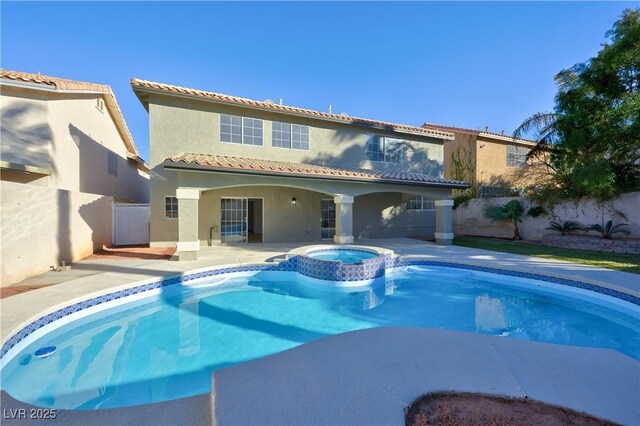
(309, 170)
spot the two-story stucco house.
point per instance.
(496, 159)
(66, 155)
(226, 169)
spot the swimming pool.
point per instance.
(166, 344)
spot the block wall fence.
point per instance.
(469, 219)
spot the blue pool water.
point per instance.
(343, 255)
(166, 346)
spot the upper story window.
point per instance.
(240, 130)
(112, 164)
(516, 155)
(100, 104)
(290, 136)
(384, 149)
(421, 203)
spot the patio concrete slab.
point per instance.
(410, 363)
(341, 379)
(574, 370)
(192, 411)
(316, 378)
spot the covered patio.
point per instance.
(289, 215)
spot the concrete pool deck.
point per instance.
(97, 276)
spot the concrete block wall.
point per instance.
(469, 219)
(584, 242)
(40, 227)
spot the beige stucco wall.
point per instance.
(70, 135)
(490, 159)
(469, 219)
(41, 227)
(177, 125)
(374, 215)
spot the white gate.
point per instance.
(130, 224)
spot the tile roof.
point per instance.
(269, 167)
(434, 126)
(268, 105)
(63, 85)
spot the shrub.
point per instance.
(461, 199)
(565, 227)
(536, 211)
(609, 229)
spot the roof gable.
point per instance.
(62, 85)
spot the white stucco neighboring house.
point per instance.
(66, 155)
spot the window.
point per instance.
(384, 149)
(516, 155)
(100, 104)
(171, 207)
(497, 191)
(290, 136)
(112, 165)
(251, 131)
(299, 137)
(421, 203)
(240, 130)
(281, 135)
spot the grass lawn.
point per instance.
(618, 261)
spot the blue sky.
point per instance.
(465, 64)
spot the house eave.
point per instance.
(212, 169)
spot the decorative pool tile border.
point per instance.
(335, 270)
(290, 265)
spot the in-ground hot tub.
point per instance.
(342, 266)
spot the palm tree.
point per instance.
(542, 126)
(510, 212)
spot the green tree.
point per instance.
(593, 135)
(511, 212)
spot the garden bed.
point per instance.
(453, 409)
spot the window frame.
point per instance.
(112, 163)
(384, 149)
(291, 133)
(242, 130)
(515, 158)
(168, 202)
(423, 201)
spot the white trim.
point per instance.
(343, 199)
(444, 203)
(343, 239)
(188, 246)
(444, 235)
(187, 194)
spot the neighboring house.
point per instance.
(233, 170)
(493, 162)
(66, 154)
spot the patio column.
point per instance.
(188, 241)
(444, 222)
(344, 219)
